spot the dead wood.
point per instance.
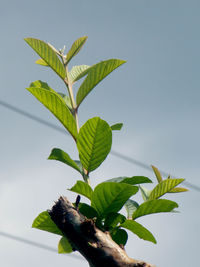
(96, 246)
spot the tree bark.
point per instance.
(96, 246)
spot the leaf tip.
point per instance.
(154, 241)
(27, 39)
(33, 224)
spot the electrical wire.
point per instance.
(114, 153)
(147, 167)
(32, 117)
(35, 244)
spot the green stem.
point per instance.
(70, 91)
(74, 109)
(86, 177)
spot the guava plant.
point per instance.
(93, 140)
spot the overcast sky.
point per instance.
(155, 94)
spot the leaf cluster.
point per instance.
(93, 141)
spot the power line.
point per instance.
(147, 167)
(32, 117)
(114, 153)
(35, 244)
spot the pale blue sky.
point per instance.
(156, 94)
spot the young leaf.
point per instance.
(96, 74)
(130, 180)
(44, 222)
(139, 230)
(120, 236)
(178, 190)
(94, 143)
(64, 246)
(53, 102)
(67, 100)
(60, 155)
(113, 219)
(87, 211)
(157, 174)
(154, 206)
(79, 165)
(82, 188)
(40, 61)
(130, 207)
(164, 187)
(110, 197)
(145, 192)
(77, 72)
(76, 47)
(48, 55)
(116, 127)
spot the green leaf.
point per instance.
(82, 188)
(77, 72)
(110, 197)
(41, 84)
(113, 219)
(96, 74)
(145, 192)
(178, 190)
(139, 230)
(44, 222)
(157, 174)
(164, 187)
(117, 126)
(87, 211)
(48, 55)
(94, 143)
(40, 61)
(131, 180)
(130, 207)
(64, 246)
(53, 102)
(75, 48)
(154, 206)
(120, 236)
(60, 155)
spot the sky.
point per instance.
(155, 94)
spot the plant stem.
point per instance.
(86, 177)
(95, 245)
(71, 95)
(74, 108)
(70, 91)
